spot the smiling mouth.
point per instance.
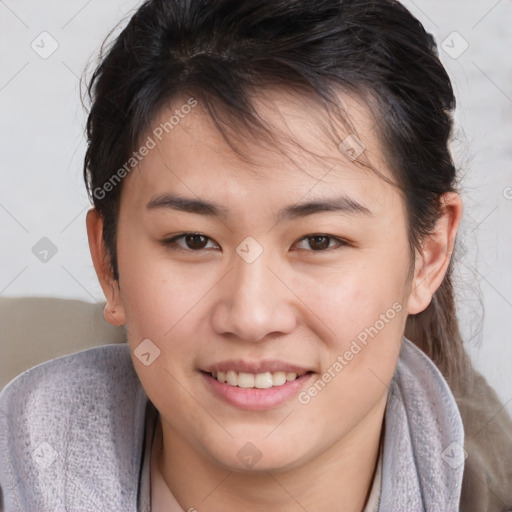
(255, 380)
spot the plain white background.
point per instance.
(42, 148)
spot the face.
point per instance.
(308, 304)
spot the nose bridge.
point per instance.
(254, 303)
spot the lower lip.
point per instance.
(254, 399)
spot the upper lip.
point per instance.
(255, 367)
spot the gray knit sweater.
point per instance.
(72, 436)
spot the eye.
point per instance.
(193, 241)
(320, 242)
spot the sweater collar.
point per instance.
(424, 438)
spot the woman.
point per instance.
(274, 218)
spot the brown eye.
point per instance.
(196, 241)
(320, 242)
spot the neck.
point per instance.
(339, 479)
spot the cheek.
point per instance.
(161, 304)
(362, 306)
(156, 294)
(355, 294)
(366, 316)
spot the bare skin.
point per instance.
(295, 304)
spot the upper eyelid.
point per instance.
(173, 238)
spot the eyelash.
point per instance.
(171, 242)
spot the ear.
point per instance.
(433, 260)
(114, 309)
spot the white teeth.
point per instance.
(245, 380)
(232, 378)
(263, 380)
(259, 380)
(279, 378)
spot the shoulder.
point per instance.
(75, 418)
(82, 375)
(487, 483)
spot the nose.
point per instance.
(254, 302)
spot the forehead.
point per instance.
(311, 152)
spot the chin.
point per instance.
(258, 455)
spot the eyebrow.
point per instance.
(341, 204)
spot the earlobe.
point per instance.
(113, 315)
(114, 311)
(433, 260)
